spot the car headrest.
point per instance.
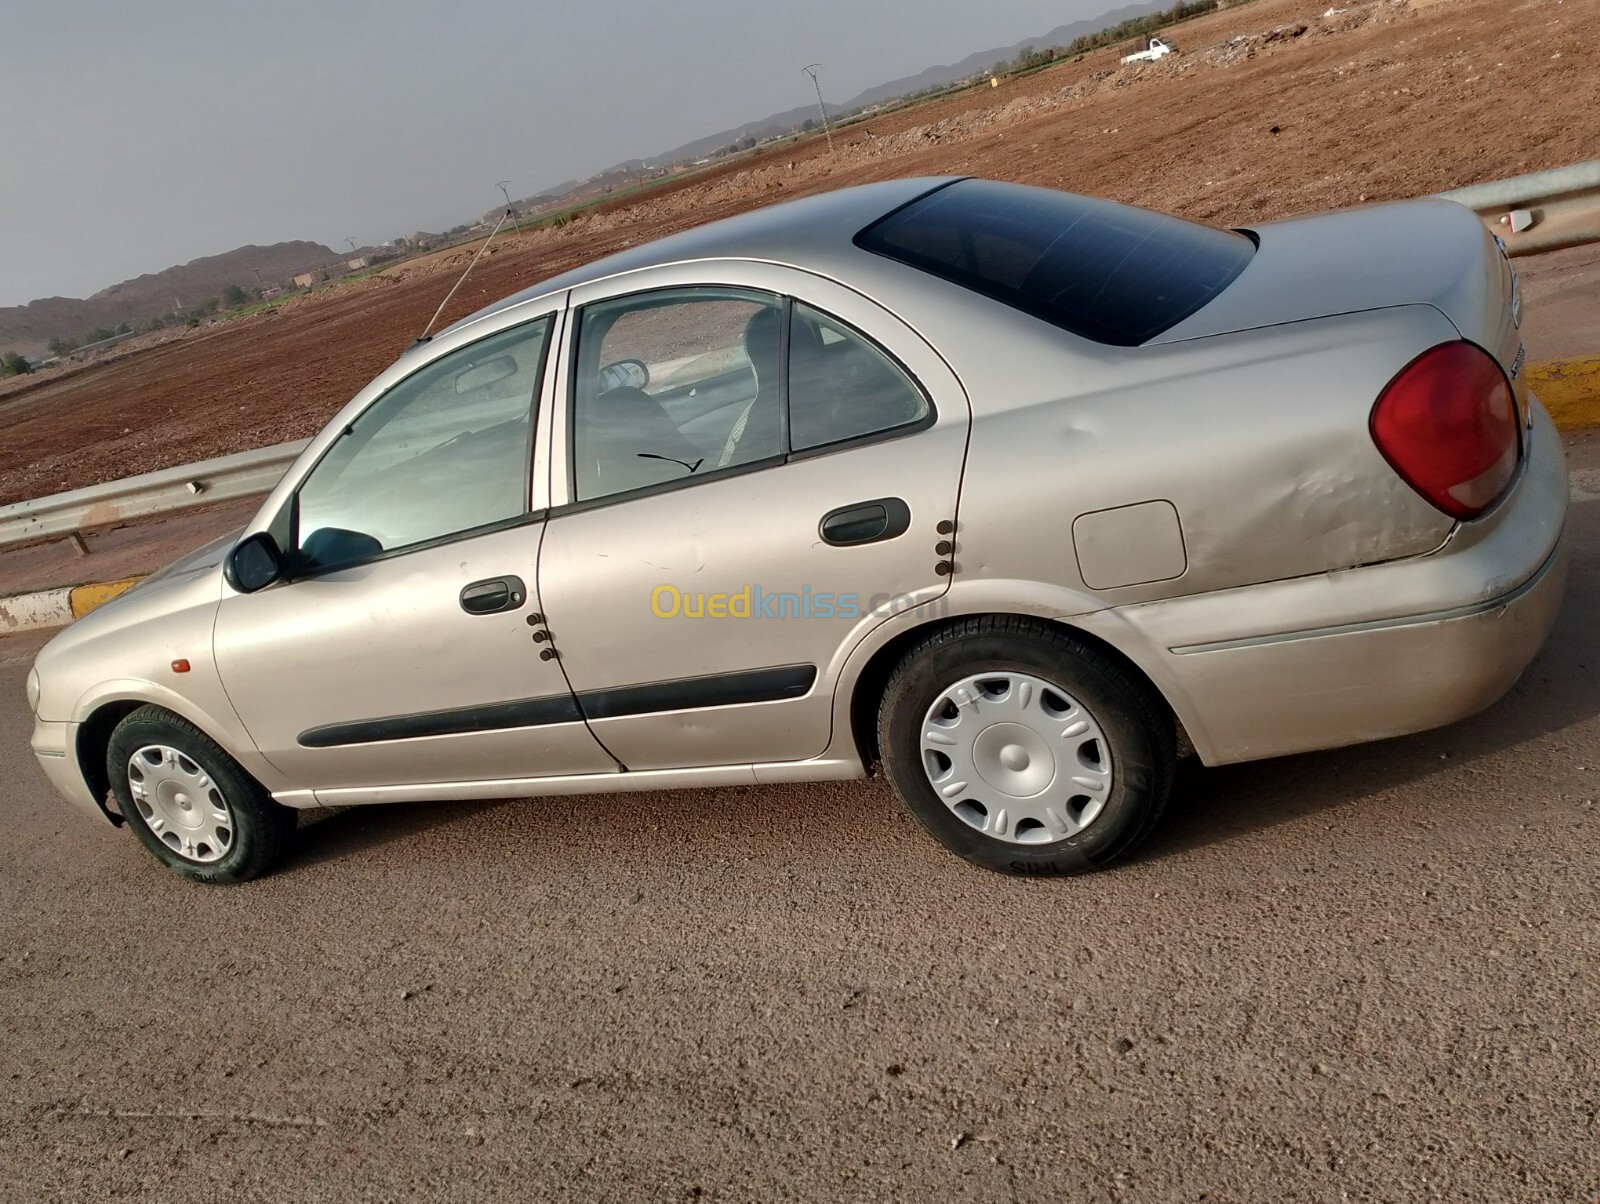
(762, 336)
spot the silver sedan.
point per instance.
(1014, 495)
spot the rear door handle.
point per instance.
(865, 522)
(493, 595)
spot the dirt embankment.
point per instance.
(1271, 109)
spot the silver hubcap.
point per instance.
(1016, 758)
(179, 803)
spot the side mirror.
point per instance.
(624, 374)
(254, 563)
(331, 547)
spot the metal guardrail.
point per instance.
(162, 492)
(190, 485)
(1563, 205)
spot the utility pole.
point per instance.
(352, 243)
(516, 224)
(821, 108)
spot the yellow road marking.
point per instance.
(86, 597)
(1570, 390)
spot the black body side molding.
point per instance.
(526, 712)
(687, 693)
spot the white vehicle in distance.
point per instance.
(1154, 49)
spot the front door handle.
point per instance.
(865, 522)
(493, 595)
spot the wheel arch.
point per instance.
(866, 691)
(93, 742)
(100, 718)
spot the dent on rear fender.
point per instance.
(1259, 440)
(1343, 512)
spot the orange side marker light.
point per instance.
(180, 666)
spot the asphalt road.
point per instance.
(1362, 975)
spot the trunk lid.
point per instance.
(1427, 252)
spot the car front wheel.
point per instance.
(190, 803)
(1025, 748)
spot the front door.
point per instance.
(771, 480)
(400, 650)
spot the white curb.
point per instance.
(24, 612)
(57, 607)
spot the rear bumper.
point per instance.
(1367, 653)
(55, 746)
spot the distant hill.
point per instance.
(934, 77)
(29, 328)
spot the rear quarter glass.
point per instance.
(1107, 272)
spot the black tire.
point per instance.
(1136, 723)
(261, 830)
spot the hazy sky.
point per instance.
(138, 135)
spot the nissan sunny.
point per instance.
(1013, 495)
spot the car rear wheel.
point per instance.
(1025, 748)
(190, 803)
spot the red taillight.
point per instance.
(1448, 425)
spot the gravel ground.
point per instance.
(1358, 975)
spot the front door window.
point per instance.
(445, 451)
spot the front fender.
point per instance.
(220, 723)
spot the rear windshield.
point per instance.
(1105, 271)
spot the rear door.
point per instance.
(773, 477)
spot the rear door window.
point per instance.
(1107, 272)
(841, 386)
(675, 384)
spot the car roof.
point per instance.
(800, 233)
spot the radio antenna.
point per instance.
(425, 336)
